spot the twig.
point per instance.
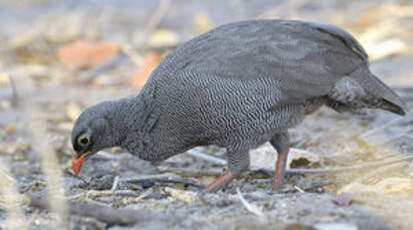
(193, 173)
(380, 171)
(351, 168)
(299, 189)
(251, 208)
(147, 177)
(13, 200)
(209, 158)
(115, 183)
(51, 169)
(157, 16)
(99, 193)
(163, 178)
(375, 130)
(96, 71)
(15, 95)
(180, 181)
(106, 214)
(302, 171)
(143, 195)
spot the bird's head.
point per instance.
(93, 131)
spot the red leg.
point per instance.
(280, 142)
(279, 171)
(220, 182)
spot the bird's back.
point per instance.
(251, 75)
(305, 58)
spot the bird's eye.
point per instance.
(83, 140)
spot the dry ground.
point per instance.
(368, 157)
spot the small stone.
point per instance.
(19, 156)
(299, 227)
(73, 111)
(163, 38)
(336, 226)
(10, 128)
(22, 145)
(147, 184)
(343, 200)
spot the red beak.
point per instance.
(77, 162)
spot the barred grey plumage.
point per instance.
(238, 86)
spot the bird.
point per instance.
(237, 86)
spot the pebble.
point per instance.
(336, 226)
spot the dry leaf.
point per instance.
(83, 54)
(150, 62)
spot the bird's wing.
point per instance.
(307, 59)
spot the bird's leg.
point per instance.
(220, 182)
(282, 144)
(238, 161)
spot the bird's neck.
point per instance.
(136, 119)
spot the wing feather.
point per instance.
(307, 59)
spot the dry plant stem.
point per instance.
(115, 183)
(194, 172)
(390, 161)
(206, 157)
(367, 165)
(106, 214)
(15, 97)
(251, 208)
(148, 177)
(52, 171)
(104, 67)
(381, 170)
(157, 16)
(12, 200)
(98, 193)
(162, 178)
(375, 130)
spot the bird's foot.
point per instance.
(277, 183)
(220, 182)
